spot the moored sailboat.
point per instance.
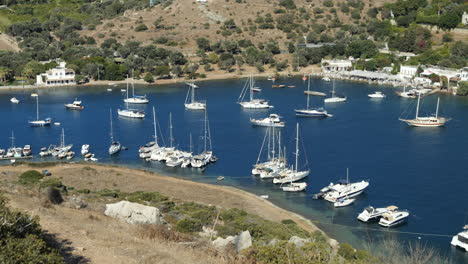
(251, 103)
(312, 112)
(427, 121)
(38, 122)
(334, 98)
(190, 102)
(115, 146)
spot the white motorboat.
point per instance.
(76, 105)
(370, 213)
(292, 175)
(70, 155)
(393, 217)
(34, 95)
(190, 102)
(84, 149)
(251, 103)
(273, 120)
(135, 99)
(312, 112)
(295, 187)
(461, 239)
(115, 146)
(377, 94)
(334, 98)
(326, 79)
(345, 189)
(27, 150)
(174, 161)
(109, 89)
(14, 100)
(428, 121)
(342, 202)
(46, 151)
(38, 122)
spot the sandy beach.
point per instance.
(90, 238)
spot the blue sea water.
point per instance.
(422, 170)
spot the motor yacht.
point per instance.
(273, 120)
(370, 213)
(295, 187)
(131, 113)
(393, 217)
(342, 202)
(377, 94)
(461, 239)
(76, 105)
(84, 149)
(14, 100)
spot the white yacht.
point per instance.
(334, 98)
(63, 148)
(84, 149)
(326, 79)
(14, 100)
(76, 105)
(251, 103)
(461, 239)
(295, 187)
(275, 162)
(393, 217)
(27, 151)
(407, 94)
(115, 146)
(377, 94)
(370, 213)
(273, 120)
(345, 189)
(342, 202)
(190, 102)
(312, 112)
(427, 121)
(135, 99)
(38, 122)
(204, 158)
(130, 113)
(292, 175)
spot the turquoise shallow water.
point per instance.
(422, 170)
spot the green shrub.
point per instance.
(30, 177)
(52, 182)
(108, 193)
(148, 78)
(188, 226)
(141, 27)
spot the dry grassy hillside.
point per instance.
(183, 21)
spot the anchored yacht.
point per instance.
(251, 103)
(370, 213)
(393, 217)
(273, 120)
(426, 121)
(461, 239)
(345, 189)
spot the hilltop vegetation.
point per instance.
(181, 38)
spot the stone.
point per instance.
(334, 244)
(76, 202)
(134, 213)
(208, 232)
(221, 243)
(299, 242)
(243, 241)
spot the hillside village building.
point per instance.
(59, 75)
(337, 65)
(408, 71)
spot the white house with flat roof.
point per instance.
(59, 75)
(336, 65)
(408, 71)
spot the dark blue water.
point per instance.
(422, 170)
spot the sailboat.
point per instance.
(318, 112)
(292, 175)
(62, 150)
(251, 103)
(135, 99)
(37, 122)
(334, 98)
(115, 146)
(428, 121)
(190, 102)
(206, 156)
(407, 94)
(131, 113)
(152, 146)
(275, 162)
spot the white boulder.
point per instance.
(299, 242)
(134, 213)
(240, 242)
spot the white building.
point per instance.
(465, 18)
(59, 75)
(336, 65)
(464, 74)
(408, 71)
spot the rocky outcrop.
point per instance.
(299, 242)
(134, 213)
(240, 242)
(75, 202)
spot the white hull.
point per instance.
(136, 100)
(292, 176)
(335, 100)
(425, 122)
(14, 100)
(254, 105)
(398, 219)
(376, 95)
(461, 244)
(312, 113)
(343, 202)
(371, 214)
(84, 149)
(131, 113)
(346, 191)
(196, 106)
(40, 123)
(257, 122)
(114, 148)
(295, 187)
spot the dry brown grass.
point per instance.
(161, 232)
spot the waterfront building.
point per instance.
(408, 71)
(59, 75)
(337, 65)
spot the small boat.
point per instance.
(57, 124)
(76, 105)
(45, 151)
(461, 239)
(269, 78)
(295, 187)
(135, 99)
(27, 150)
(14, 100)
(256, 89)
(111, 84)
(334, 98)
(377, 94)
(273, 120)
(315, 93)
(123, 90)
(291, 86)
(342, 202)
(264, 196)
(326, 79)
(220, 178)
(278, 86)
(84, 149)
(70, 155)
(115, 146)
(251, 103)
(34, 95)
(393, 217)
(345, 189)
(131, 113)
(370, 213)
(109, 89)
(312, 112)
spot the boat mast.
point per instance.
(297, 145)
(154, 126)
(62, 139)
(417, 107)
(333, 89)
(273, 147)
(171, 138)
(206, 132)
(437, 108)
(133, 84)
(126, 101)
(193, 92)
(37, 108)
(269, 143)
(111, 129)
(191, 144)
(251, 87)
(308, 90)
